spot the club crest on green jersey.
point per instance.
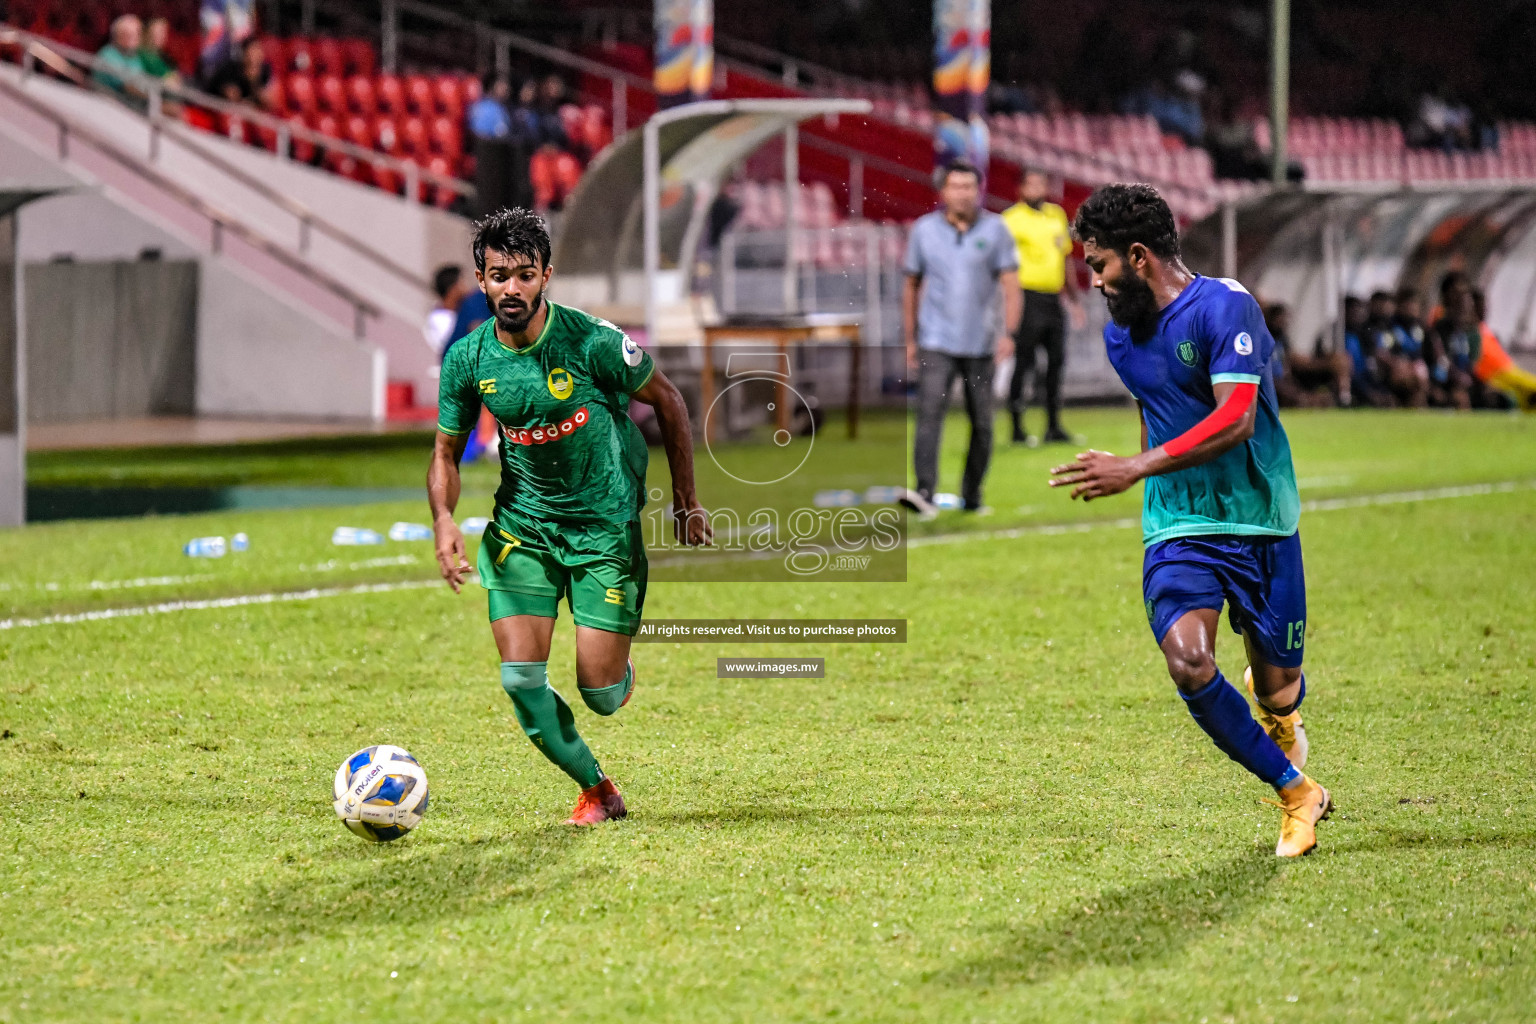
(1186, 352)
(559, 383)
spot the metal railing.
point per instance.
(220, 222)
(38, 49)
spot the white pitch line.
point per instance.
(237, 601)
(1319, 505)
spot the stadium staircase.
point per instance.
(354, 260)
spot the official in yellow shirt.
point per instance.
(1044, 241)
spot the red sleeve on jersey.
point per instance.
(1226, 414)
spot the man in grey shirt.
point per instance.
(960, 306)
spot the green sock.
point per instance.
(547, 719)
(605, 700)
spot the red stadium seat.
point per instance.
(574, 123)
(418, 95)
(331, 94)
(302, 149)
(299, 93)
(541, 175)
(326, 124)
(442, 196)
(360, 131)
(388, 179)
(275, 50)
(446, 97)
(358, 56)
(469, 89)
(277, 95)
(328, 57)
(301, 56)
(386, 136)
(595, 128)
(390, 94)
(360, 97)
(413, 136)
(445, 137)
(567, 174)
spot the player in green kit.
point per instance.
(567, 516)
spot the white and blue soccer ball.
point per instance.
(380, 793)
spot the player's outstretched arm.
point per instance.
(443, 497)
(1097, 474)
(690, 520)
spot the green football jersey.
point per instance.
(569, 450)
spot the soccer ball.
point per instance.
(380, 793)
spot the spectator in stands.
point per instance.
(1229, 137)
(122, 54)
(245, 77)
(960, 266)
(1442, 122)
(525, 115)
(1363, 389)
(488, 117)
(152, 54)
(448, 283)
(473, 311)
(551, 129)
(1313, 381)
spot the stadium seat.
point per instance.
(359, 131)
(331, 94)
(358, 56)
(360, 95)
(445, 137)
(418, 95)
(390, 95)
(386, 136)
(300, 56)
(441, 195)
(413, 136)
(447, 99)
(303, 150)
(275, 50)
(328, 57)
(299, 93)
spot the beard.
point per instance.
(514, 319)
(1132, 303)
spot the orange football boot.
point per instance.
(599, 804)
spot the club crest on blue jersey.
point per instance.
(1186, 352)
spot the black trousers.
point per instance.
(1043, 326)
(936, 372)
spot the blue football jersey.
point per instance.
(1212, 333)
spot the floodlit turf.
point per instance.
(1009, 818)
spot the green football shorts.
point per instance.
(527, 565)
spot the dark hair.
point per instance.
(445, 278)
(1353, 300)
(1380, 296)
(1118, 216)
(1452, 279)
(1407, 293)
(515, 232)
(959, 167)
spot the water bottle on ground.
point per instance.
(350, 536)
(239, 542)
(410, 531)
(947, 501)
(474, 524)
(204, 547)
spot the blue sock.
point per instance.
(1223, 713)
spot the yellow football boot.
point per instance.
(1286, 730)
(1305, 804)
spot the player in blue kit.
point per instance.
(1221, 507)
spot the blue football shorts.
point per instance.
(1260, 579)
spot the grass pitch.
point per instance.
(1010, 817)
